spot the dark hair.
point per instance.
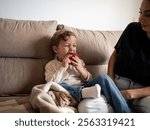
(61, 35)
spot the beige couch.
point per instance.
(25, 49)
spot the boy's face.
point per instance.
(65, 47)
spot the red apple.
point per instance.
(72, 55)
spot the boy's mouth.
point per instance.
(72, 55)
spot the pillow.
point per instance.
(24, 51)
(94, 47)
(25, 38)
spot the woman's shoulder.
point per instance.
(134, 25)
(133, 28)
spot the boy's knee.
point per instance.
(104, 77)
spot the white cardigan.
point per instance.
(56, 73)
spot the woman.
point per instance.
(129, 65)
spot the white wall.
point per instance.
(86, 14)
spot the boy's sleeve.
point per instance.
(55, 73)
(89, 75)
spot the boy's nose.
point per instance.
(71, 48)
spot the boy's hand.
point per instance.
(66, 62)
(71, 56)
(76, 62)
(79, 65)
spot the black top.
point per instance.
(133, 49)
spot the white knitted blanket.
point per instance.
(53, 98)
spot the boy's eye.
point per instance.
(66, 45)
(74, 45)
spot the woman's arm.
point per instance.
(111, 65)
(136, 93)
(130, 93)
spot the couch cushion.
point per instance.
(15, 104)
(29, 39)
(24, 51)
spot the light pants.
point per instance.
(138, 105)
(108, 89)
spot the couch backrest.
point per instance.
(94, 47)
(24, 51)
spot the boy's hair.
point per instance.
(61, 35)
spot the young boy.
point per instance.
(67, 69)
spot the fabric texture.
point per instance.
(51, 97)
(54, 72)
(15, 104)
(24, 51)
(95, 105)
(91, 92)
(134, 63)
(111, 93)
(138, 105)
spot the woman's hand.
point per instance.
(127, 94)
(130, 94)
